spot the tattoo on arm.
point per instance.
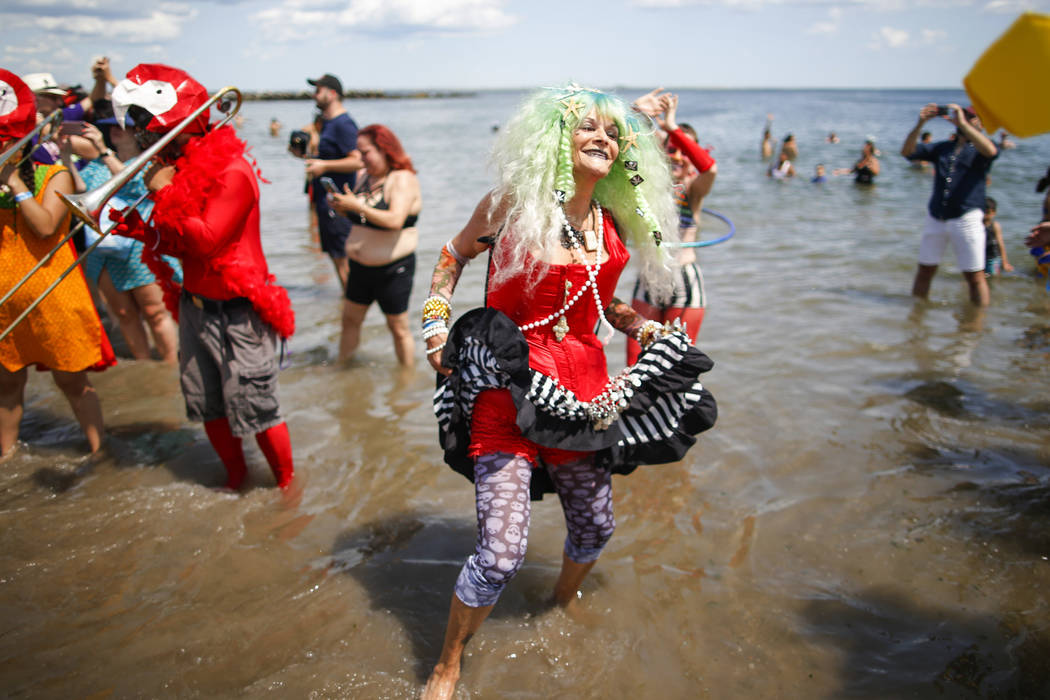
(623, 317)
(446, 274)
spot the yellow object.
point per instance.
(1008, 83)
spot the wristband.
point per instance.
(23, 196)
(436, 348)
(455, 253)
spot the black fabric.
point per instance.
(486, 350)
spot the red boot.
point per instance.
(276, 444)
(229, 449)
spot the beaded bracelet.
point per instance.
(434, 330)
(23, 196)
(436, 348)
(436, 307)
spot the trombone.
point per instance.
(88, 206)
(54, 119)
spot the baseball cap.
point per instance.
(329, 81)
(43, 83)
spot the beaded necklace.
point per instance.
(561, 328)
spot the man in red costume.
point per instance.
(230, 309)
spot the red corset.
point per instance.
(578, 361)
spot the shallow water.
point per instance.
(867, 519)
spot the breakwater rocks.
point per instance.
(356, 94)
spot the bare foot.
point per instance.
(442, 683)
(10, 453)
(573, 609)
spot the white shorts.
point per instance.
(967, 236)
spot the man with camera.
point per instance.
(956, 206)
(338, 159)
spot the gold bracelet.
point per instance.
(436, 307)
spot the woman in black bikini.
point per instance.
(381, 248)
(864, 169)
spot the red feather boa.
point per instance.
(193, 184)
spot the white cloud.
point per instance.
(159, 25)
(889, 37)
(291, 19)
(1010, 6)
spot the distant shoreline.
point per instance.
(257, 95)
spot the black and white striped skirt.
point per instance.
(661, 404)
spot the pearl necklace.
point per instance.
(592, 282)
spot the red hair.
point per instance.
(389, 146)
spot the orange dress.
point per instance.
(64, 332)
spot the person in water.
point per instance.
(866, 168)
(230, 309)
(955, 208)
(525, 404)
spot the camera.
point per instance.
(297, 142)
(943, 110)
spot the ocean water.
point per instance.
(868, 518)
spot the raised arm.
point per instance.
(454, 256)
(697, 155)
(980, 141)
(928, 112)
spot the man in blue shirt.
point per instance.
(337, 158)
(956, 207)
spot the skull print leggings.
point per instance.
(501, 487)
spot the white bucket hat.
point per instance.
(43, 83)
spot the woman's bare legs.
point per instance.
(403, 341)
(350, 338)
(83, 399)
(342, 270)
(463, 622)
(12, 398)
(123, 306)
(150, 302)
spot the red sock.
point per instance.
(229, 448)
(277, 446)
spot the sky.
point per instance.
(480, 44)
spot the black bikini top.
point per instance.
(366, 191)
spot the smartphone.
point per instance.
(74, 127)
(943, 110)
(329, 185)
